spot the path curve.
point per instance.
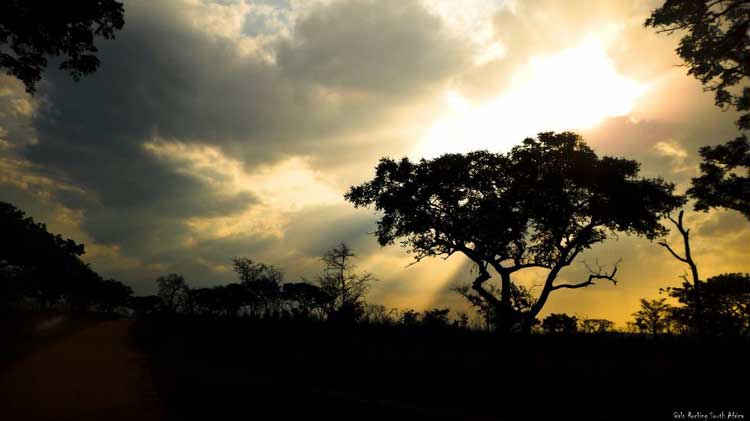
(95, 374)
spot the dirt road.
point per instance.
(95, 374)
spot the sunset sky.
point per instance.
(226, 128)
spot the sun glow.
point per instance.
(571, 90)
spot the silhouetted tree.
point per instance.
(721, 183)
(377, 313)
(145, 305)
(173, 292)
(435, 318)
(410, 317)
(714, 46)
(343, 283)
(687, 258)
(43, 265)
(560, 324)
(521, 300)
(462, 321)
(538, 206)
(725, 305)
(654, 316)
(715, 50)
(110, 294)
(33, 30)
(596, 325)
(262, 284)
(306, 299)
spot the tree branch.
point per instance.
(483, 277)
(676, 256)
(598, 274)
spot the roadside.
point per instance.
(96, 373)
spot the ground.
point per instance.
(94, 374)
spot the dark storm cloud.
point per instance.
(383, 47)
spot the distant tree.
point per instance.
(538, 206)
(145, 305)
(725, 305)
(435, 318)
(173, 292)
(378, 314)
(597, 325)
(654, 316)
(721, 183)
(306, 299)
(560, 323)
(206, 301)
(262, 284)
(33, 30)
(341, 281)
(714, 46)
(110, 294)
(462, 321)
(410, 317)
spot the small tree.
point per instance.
(596, 325)
(110, 294)
(436, 318)
(343, 283)
(173, 290)
(305, 299)
(560, 324)
(654, 317)
(538, 206)
(410, 318)
(261, 283)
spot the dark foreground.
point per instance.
(94, 373)
(244, 369)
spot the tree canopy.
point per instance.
(46, 268)
(725, 177)
(722, 308)
(33, 30)
(714, 46)
(538, 206)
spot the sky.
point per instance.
(216, 129)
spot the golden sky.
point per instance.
(233, 128)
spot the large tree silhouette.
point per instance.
(714, 46)
(31, 31)
(538, 206)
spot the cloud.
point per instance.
(371, 47)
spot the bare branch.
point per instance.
(676, 256)
(598, 274)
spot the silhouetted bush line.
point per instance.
(439, 368)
